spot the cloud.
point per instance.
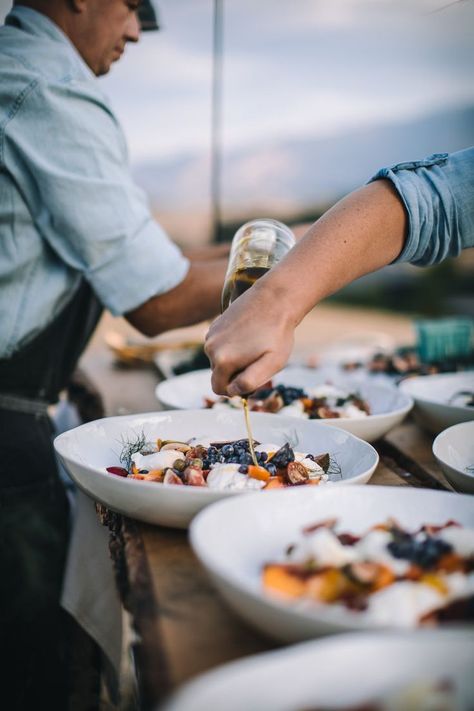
(309, 67)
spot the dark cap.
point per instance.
(147, 16)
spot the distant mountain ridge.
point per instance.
(298, 174)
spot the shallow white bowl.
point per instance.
(87, 450)
(388, 405)
(431, 394)
(344, 671)
(235, 539)
(454, 450)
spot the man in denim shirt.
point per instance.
(76, 235)
(419, 212)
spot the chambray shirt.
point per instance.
(68, 206)
(438, 194)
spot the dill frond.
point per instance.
(130, 447)
(334, 470)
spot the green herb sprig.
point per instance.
(131, 446)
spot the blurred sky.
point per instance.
(293, 69)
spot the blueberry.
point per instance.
(424, 553)
(402, 548)
(243, 469)
(289, 394)
(262, 456)
(227, 450)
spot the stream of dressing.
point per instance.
(249, 430)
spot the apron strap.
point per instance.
(29, 406)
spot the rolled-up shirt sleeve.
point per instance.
(438, 195)
(82, 198)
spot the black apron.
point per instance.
(34, 509)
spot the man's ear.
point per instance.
(78, 6)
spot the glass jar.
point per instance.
(256, 247)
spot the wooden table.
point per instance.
(182, 626)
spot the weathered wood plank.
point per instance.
(410, 450)
(135, 584)
(384, 476)
(198, 630)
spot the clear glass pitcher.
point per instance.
(256, 247)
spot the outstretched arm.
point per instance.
(253, 339)
(419, 212)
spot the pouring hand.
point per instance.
(250, 342)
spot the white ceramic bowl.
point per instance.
(87, 450)
(432, 393)
(454, 450)
(341, 672)
(388, 405)
(235, 539)
(355, 348)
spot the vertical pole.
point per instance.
(216, 121)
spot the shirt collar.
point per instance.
(39, 25)
(35, 23)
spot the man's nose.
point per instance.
(132, 28)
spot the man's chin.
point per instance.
(104, 68)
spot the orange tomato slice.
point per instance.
(258, 473)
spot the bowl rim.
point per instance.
(334, 617)
(235, 670)
(408, 386)
(445, 434)
(401, 410)
(60, 440)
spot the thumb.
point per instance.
(254, 375)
